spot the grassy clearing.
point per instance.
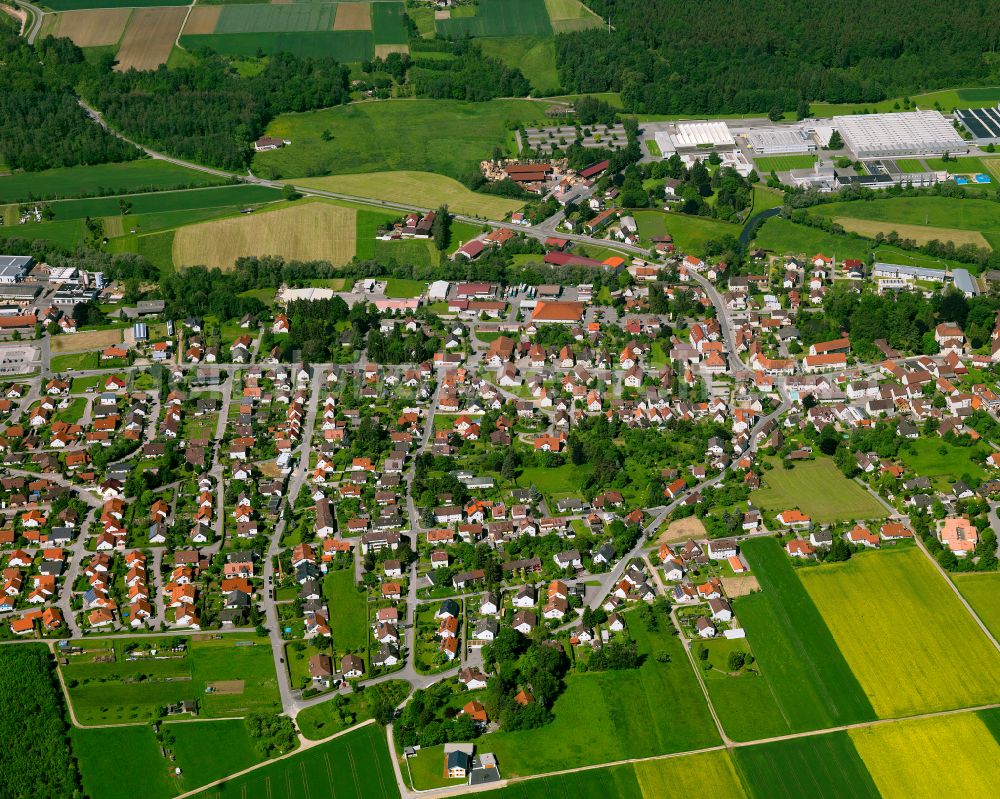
(535, 56)
(805, 683)
(80, 181)
(353, 766)
(556, 482)
(422, 189)
(912, 645)
(99, 754)
(690, 233)
(947, 99)
(782, 163)
(323, 720)
(111, 693)
(982, 591)
(764, 198)
(312, 230)
(931, 758)
(918, 233)
(500, 18)
(840, 500)
(395, 135)
(609, 716)
(348, 610)
(819, 766)
(782, 236)
(969, 165)
(942, 462)
(143, 205)
(943, 216)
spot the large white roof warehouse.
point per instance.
(694, 135)
(905, 133)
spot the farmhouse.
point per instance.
(266, 143)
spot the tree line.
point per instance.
(721, 56)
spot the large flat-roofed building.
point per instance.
(982, 123)
(13, 268)
(687, 136)
(898, 134)
(777, 141)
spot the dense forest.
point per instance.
(469, 76)
(43, 126)
(37, 762)
(204, 112)
(736, 56)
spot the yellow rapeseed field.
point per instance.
(932, 758)
(709, 774)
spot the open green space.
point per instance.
(395, 135)
(817, 766)
(764, 198)
(840, 500)
(195, 748)
(100, 752)
(942, 462)
(67, 233)
(355, 765)
(345, 46)
(419, 189)
(571, 15)
(782, 236)
(348, 610)
(500, 18)
(165, 201)
(80, 181)
(323, 720)
(535, 56)
(946, 99)
(556, 482)
(782, 163)
(690, 233)
(389, 23)
(417, 252)
(269, 17)
(982, 591)
(964, 165)
(981, 216)
(131, 691)
(608, 716)
(804, 682)
(909, 640)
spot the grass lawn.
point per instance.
(500, 18)
(942, 462)
(427, 769)
(840, 500)
(690, 233)
(348, 610)
(614, 782)
(557, 482)
(395, 135)
(764, 198)
(99, 753)
(931, 758)
(123, 691)
(422, 189)
(404, 288)
(165, 201)
(912, 645)
(202, 759)
(819, 766)
(75, 360)
(782, 163)
(805, 683)
(785, 237)
(354, 766)
(969, 165)
(323, 720)
(606, 716)
(78, 181)
(535, 56)
(982, 591)
(939, 214)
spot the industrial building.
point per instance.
(982, 123)
(899, 134)
(13, 268)
(780, 141)
(880, 174)
(687, 136)
(891, 277)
